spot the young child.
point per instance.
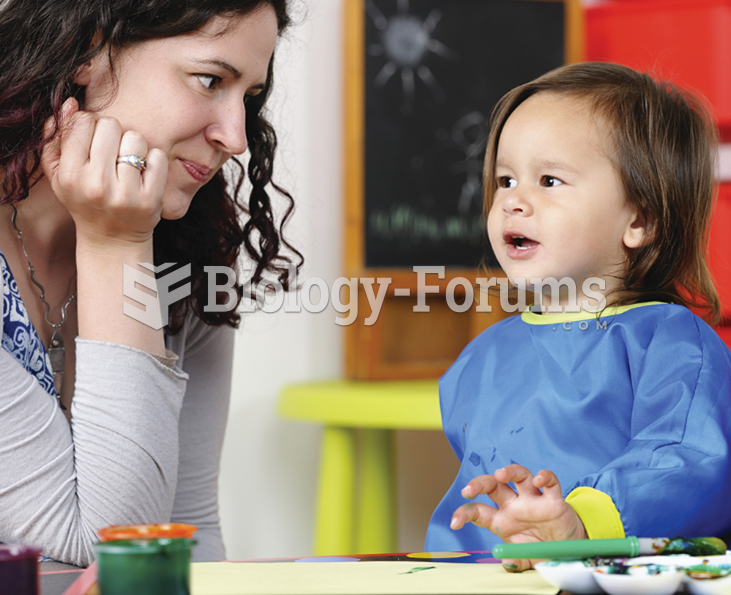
(594, 171)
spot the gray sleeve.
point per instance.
(207, 357)
(116, 463)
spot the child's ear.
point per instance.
(639, 232)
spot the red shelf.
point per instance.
(719, 252)
(684, 41)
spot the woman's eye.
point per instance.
(209, 81)
(249, 96)
(550, 181)
(506, 182)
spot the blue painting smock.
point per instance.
(635, 404)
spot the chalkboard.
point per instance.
(433, 71)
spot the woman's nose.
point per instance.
(228, 130)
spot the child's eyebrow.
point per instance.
(551, 164)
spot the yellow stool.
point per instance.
(377, 408)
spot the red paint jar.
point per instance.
(19, 569)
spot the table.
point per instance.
(356, 505)
(55, 578)
(434, 573)
(437, 573)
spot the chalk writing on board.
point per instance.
(402, 220)
(434, 69)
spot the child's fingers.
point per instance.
(521, 477)
(498, 492)
(479, 485)
(474, 512)
(548, 482)
(517, 565)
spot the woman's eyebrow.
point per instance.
(235, 72)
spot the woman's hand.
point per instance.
(115, 208)
(523, 515)
(109, 202)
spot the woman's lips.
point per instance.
(200, 173)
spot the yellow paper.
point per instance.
(373, 578)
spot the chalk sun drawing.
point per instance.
(405, 40)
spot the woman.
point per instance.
(117, 117)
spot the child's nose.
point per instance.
(517, 203)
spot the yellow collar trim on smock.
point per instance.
(533, 318)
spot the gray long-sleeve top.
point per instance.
(143, 445)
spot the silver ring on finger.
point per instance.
(134, 161)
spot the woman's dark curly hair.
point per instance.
(43, 43)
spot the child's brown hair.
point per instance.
(665, 151)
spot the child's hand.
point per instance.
(528, 515)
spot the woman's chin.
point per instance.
(175, 207)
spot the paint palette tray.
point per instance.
(645, 575)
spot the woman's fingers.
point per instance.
(156, 174)
(51, 156)
(130, 176)
(102, 154)
(107, 199)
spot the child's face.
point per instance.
(559, 210)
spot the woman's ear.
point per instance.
(83, 75)
(639, 232)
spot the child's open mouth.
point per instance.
(519, 246)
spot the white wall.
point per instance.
(269, 467)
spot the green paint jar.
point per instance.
(144, 566)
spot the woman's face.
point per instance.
(186, 95)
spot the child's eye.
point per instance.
(209, 81)
(506, 182)
(550, 181)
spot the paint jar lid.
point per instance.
(151, 531)
(144, 546)
(11, 552)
